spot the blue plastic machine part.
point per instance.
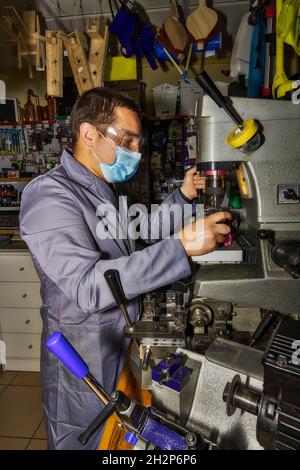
(171, 373)
(161, 436)
(64, 351)
(131, 438)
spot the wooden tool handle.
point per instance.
(172, 60)
(189, 57)
(173, 9)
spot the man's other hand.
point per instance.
(192, 181)
(205, 235)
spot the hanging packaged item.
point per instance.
(165, 99)
(136, 37)
(189, 94)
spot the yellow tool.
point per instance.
(281, 84)
(288, 24)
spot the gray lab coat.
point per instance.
(58, 222)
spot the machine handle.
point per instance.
(102, 417)
(118, 401)
(64, 351)
(204, 80)
(268, 318)
(113, 280)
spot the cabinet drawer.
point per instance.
(17, 267)
(20, 320)
(22, 345)
(20, 294)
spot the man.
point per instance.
(59, 223)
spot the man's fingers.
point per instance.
(219, 216)
(220, 238)
(199, 185)
(200, 179)
(223, 229)
(191, 171)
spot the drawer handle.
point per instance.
(27, 322)
(30, 346)
(22, 268)
(24, 296)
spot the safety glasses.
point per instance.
(124, 138)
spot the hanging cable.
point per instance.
(111, 9)
(257, 8)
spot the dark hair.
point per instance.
(97, 106)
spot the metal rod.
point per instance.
(100, 392)
(129, 323)
(233, 114)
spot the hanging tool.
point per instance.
(240, 57)
(75, 48)
(245, 136)
(136, 37)
(183, 73)
(288, 24)
(99, 34)
(142, 422)
(202, 21)
(174, 29)
(113, 280)
(54, 61)
(257, 59)
(270, 15)
(281, 84)
(29, 44)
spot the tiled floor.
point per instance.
(21, 414)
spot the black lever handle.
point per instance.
(262, 327)
(118, 401)
(204, 80)
(103, 416)
(113, 280)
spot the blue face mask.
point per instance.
(123, 168)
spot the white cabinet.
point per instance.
(20, 320)
(20, 301)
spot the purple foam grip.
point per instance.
(64, 351)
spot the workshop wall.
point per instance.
(168, 74)
(18, 82)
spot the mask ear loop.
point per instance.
(110, 143)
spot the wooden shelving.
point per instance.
(15, 180)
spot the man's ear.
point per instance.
(88, 134)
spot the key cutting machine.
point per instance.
(259, 271)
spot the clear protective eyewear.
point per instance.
(123, 138)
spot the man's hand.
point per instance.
(192, 181)
(204, 235)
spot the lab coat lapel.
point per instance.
(98, 189)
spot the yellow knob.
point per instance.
(241, 135)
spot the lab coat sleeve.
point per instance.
(166, 219)
(66, 252)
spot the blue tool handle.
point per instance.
(64, 351)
